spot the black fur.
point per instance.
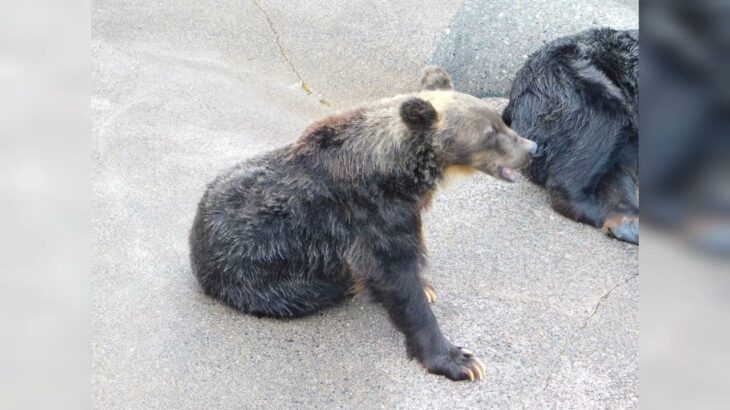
(578, 97)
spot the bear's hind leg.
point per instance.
(619, 202)
(576, 205)
(613, 208)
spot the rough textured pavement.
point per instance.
(184, 89)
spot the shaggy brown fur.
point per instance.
(300, 228)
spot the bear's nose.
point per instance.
(534, 149)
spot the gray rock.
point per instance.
(488, 41)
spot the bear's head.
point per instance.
(469, 133)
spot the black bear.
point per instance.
(300, 228)
(578, 98)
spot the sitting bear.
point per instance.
(300, 228)
(578, 98)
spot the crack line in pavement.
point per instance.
(277, 39)
(583, 326)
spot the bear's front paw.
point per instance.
(457, 364)
(429, 291)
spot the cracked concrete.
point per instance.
(184, 89)
(277, 39)
(582, 327)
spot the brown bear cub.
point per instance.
(300, 228)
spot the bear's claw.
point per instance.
(430, 294)
(458, 364)
(479, 368)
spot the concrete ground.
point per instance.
(183, 89)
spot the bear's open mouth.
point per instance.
(508, 174)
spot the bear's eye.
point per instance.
(502, 142)
(490, 136)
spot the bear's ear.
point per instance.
(418, 113)
(435, 78)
